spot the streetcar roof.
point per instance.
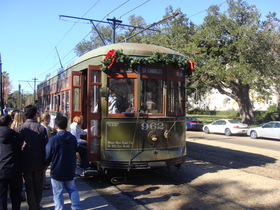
(133, 49)
(94, 57)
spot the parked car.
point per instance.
(226, 126)
(193, 123)
(268, 130)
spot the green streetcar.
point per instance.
(132, 97)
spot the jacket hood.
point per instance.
(66, 136)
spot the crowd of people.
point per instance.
(28, 147)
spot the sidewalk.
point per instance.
(89, 198)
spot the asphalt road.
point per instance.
(262, 143)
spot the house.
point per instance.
(214, 100)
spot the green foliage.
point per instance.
(261, 117)
(212, 115)
(266, 116)
(272, 114)
(156, 58)
(200, 112)
(234, 51)
(272, 108)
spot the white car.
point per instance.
(226, 126)
(268, 130)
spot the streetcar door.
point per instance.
(93, 112)
(76, 94)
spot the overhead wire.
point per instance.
(116, 9)
(133, 9)
(64, 38)
(125, 2)
(49, 70)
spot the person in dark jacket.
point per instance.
(35, 139)
(10, 170)
(61, 153)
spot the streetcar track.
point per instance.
(206, 192)
(137, 202)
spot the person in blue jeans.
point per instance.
(61, 155)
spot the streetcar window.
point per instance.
(95, 95)
(76, 80)
(76, 101)
(52, 102)
(66, 82)
(95, 76)
(152, 96)
(122, 93)
(175, 97)
(62, 101)
(67, 98)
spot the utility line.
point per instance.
(133, 9)
(81, 40)
(65, 36)
(219, 5)
(115, 9)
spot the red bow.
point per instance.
(191, 64)
(111, 54)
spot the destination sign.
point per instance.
(176, 74)
(156, 71)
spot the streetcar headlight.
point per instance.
(154, 138)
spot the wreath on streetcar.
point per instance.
(117, 57)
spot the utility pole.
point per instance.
(34, 80)
(19, 97)
(115, 22)
(1, 88)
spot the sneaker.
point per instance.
(88, 168)
(78, 172)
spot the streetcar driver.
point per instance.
(112, 103)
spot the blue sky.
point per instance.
(30, 30)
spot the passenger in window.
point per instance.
(131, 108)
(143, 108)
(112, 103)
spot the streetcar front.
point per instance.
(143, 123)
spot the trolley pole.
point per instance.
(1, 88)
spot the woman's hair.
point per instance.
(78, 119)
(19, 119)
(45, 116)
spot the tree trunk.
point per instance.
(244, 103)
(240, 93)
(246, 111)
